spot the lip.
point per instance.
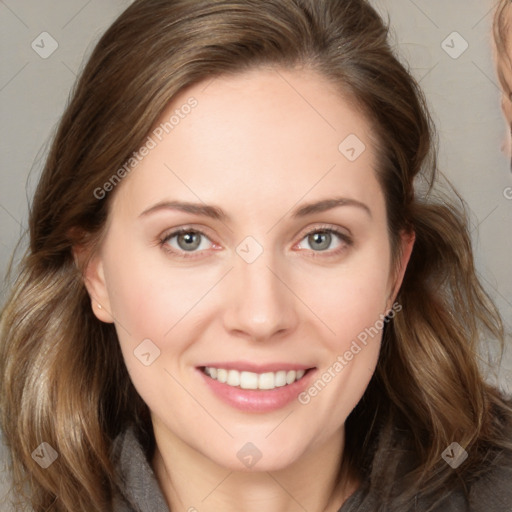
(257, 401)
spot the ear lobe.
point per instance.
(407, 239)
(94, 281)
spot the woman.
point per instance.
(233, 296)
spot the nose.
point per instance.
(259, 305)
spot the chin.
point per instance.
(256, 457)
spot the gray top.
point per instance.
(139, 490)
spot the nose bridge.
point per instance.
(259, 304)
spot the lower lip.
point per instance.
(250, 400)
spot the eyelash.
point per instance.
(343, 237)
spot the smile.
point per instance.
(251, 380)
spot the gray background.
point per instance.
(462, 92)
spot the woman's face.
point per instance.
(250, 244)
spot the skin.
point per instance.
(257, 149)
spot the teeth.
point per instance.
(248, 380)
(251, 380)
(266, 381)
(280, 379)
(233, 378)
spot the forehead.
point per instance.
(267, 135)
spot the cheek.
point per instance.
(148, 295)
(150, 305)
(354, 302)
(353, 297)
(356, 315)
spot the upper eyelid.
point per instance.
(170, 233)
(305, 231)
(325, 227)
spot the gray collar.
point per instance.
(137, 484)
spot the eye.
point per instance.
(193, 241)
(325, 240)
(186, 240)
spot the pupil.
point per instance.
(321, 239)
(189, 241)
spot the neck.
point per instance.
(192, 482)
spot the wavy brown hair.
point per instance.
(63, 378)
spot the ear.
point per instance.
(407, 239)
(94, 280)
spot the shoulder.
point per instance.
(488, 486)
(482, 483)
(492, 490)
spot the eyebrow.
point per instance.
(329, 204)
(217, 213)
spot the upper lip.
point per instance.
(245, 366)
